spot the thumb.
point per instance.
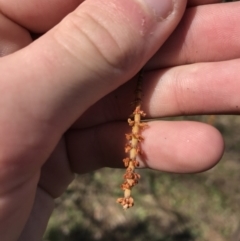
(92, 51)
(47, 85)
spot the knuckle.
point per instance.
(87, 36)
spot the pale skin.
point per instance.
(50, 84)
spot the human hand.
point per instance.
(48, 84)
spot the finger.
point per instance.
(56, 173)
(192, 3)
(38, 219)
(37, 16)
(206, 33)
(203, 88)
(13, 37)
(56, 78)
(206, 88)
(180, 147)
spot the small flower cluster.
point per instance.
(131, 178)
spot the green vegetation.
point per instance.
(169, 207)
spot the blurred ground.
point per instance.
(170, 207)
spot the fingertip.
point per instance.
(182, 147)
(210, 150)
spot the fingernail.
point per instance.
(160, 8)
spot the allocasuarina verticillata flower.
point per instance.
(133, 148)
